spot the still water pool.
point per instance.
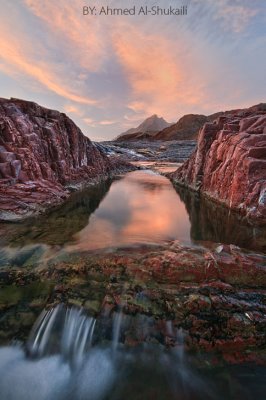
(78, 352)
(139, 207)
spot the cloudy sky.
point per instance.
(108, 73)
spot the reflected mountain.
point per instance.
(216, 223)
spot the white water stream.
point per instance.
(62, 362)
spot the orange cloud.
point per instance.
(18, 63)
(19, 57)
(89, 121)
(154, 64)
(166, 222)
(107, 122)
(71, 109)
(159, 80)
(86, 38)
(158, 65)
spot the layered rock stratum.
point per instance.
(43, 154)
(229, 163)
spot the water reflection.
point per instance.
(215, 223)
(141, 208)
(58, 226)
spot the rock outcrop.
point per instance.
(229, 163)
(42, 155)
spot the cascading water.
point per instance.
(66, 359)
(65, 330)
(60, 361)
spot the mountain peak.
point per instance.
(151, 125)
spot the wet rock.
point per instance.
(198, 302)
(240, 322)
(93, 306)
(220, 308)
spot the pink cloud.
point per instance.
(86, 39)
(73, 109)
(159, 76)
(160, 67)
(15, 62)
(89, 121)
(107, 122)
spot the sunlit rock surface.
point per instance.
(42, 155)
(229, 164)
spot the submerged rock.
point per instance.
(215, 296)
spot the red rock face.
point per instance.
(42, 153)
(229, 164)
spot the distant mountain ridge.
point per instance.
(186, 128)
(147, 129)
(155, 128)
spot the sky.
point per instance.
(109, 73)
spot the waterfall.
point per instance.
(67, 360)
(117, 328)
(67, 331)
(77, 335)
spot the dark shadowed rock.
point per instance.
(213, 222)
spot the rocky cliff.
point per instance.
(42, 155)
(229, 163)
